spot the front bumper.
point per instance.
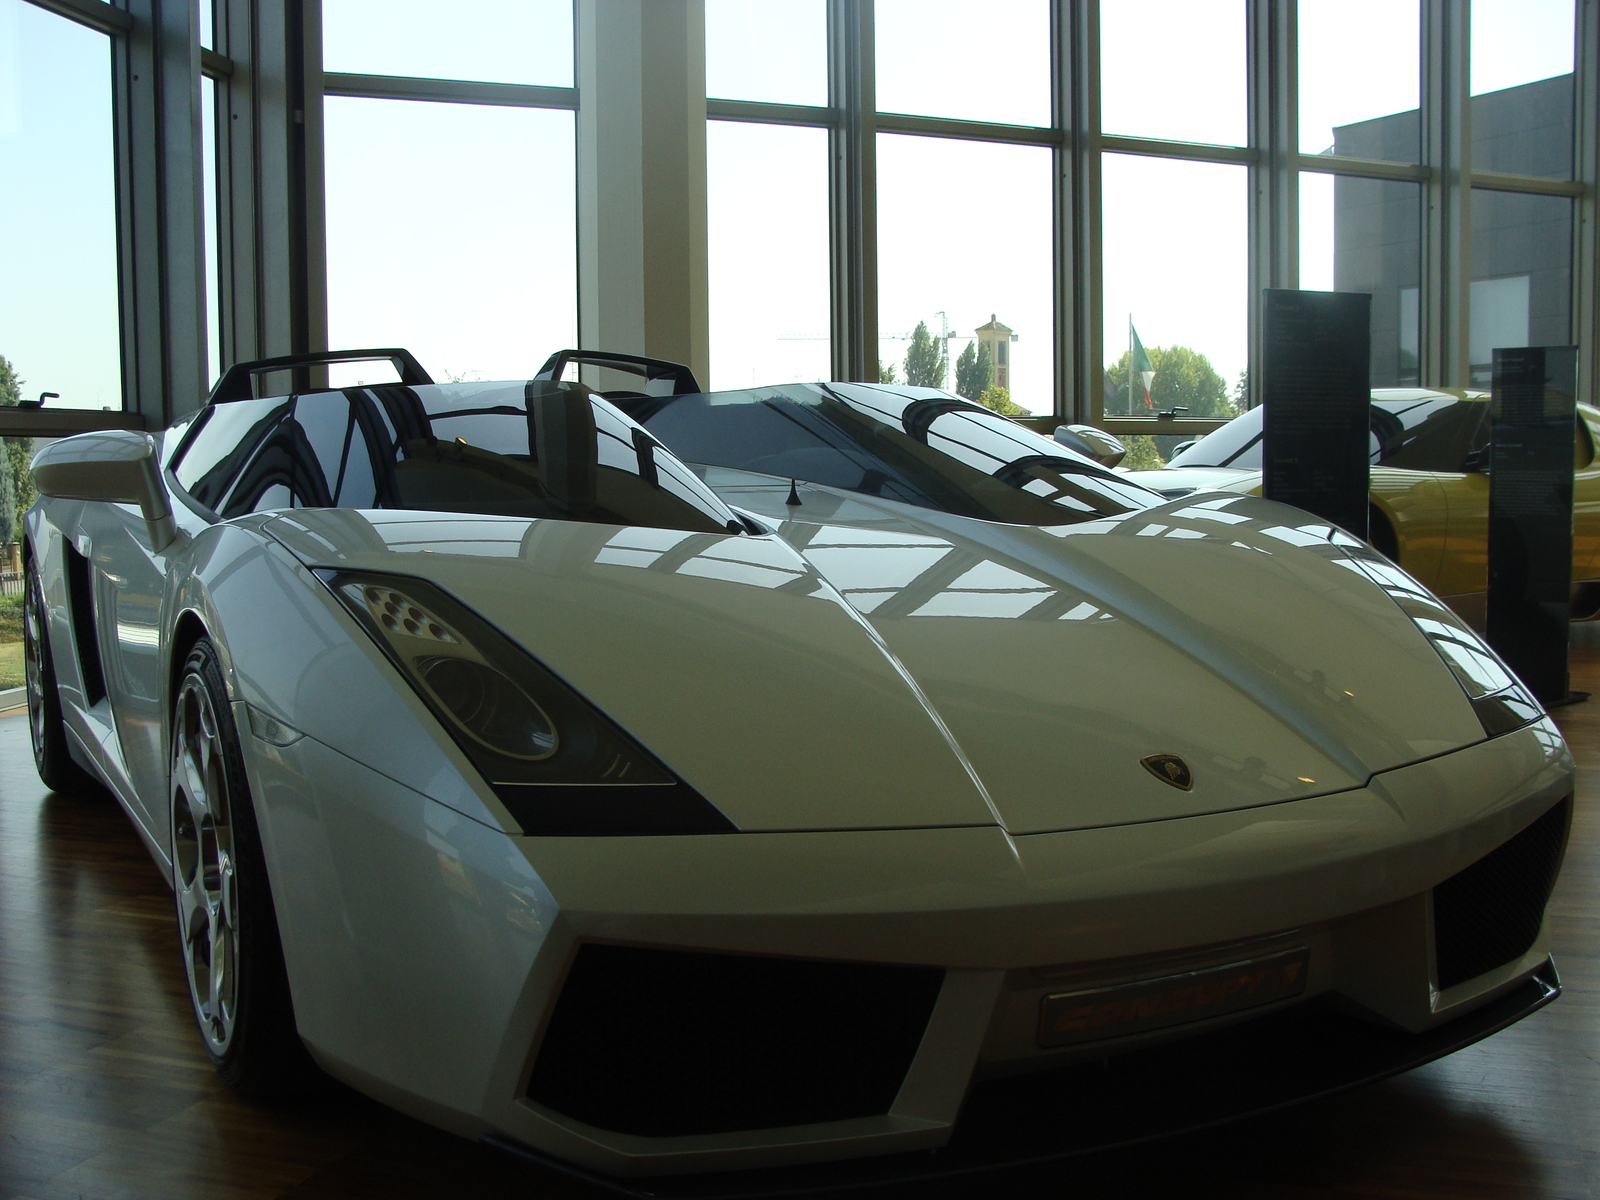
(428, 953)
(1297, 1055)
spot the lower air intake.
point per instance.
(1490, 913)
(664, 1043)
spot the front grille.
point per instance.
(664, 1043)
(1490, 913)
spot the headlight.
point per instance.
(557, 763)
(1500, 699)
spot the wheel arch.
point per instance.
(189, 629)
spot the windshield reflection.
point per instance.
(915, 446)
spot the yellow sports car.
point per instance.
(1430, 492)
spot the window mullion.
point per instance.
(1447, 215)
(1075, 103)
(1274, 181)
(853, 182)
(1586, 229)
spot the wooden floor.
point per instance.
(106, 1095)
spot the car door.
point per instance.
(1466, 565)
(129, 580)
(1586, 498)
(1425, 438)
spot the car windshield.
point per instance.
(534, 449)
(917, 446)
(1428, 431)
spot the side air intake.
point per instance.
(1490, 913)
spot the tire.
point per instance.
(46, 729)
(227, 926)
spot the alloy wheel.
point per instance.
(203, 868)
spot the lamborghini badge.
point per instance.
(1169, 768)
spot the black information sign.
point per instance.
(1531, 454)
(1315, 397)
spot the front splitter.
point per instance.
(1296, 1055)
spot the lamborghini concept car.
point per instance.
(1430, 493)
(826, 777)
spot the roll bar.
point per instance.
(683, 380)
(235, 383)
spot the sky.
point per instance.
(451, 227)
(58, 308)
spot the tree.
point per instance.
(1184, 378)
(16, 483)
(974, 370)
(1241, 391)
(925, 360)
(886, 373)
(998, 399)
(1143, 454)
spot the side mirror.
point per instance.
(115, 466)
(1094, 443)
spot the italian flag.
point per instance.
(1140, 368)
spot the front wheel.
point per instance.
(227, 929)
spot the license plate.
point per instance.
(1067, 1018)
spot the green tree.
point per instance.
(974, 370)
(1184, 378)
(998, 399)
(1143, 454)
(1241, 391)
(925, 360)
(886, 373)
(16, 483)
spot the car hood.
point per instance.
(1175, 482)
(879, 666)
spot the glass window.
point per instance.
(1522, 106)
(207, 26)
(1176, 250)
(952, 58)
(1365, 235)
(1521, 290)
(1360, 78)
(16, 497)
(964, 237)
(59, 310)
(208, 180)
(534, 449)
(768, 253)
(911, 445)
(770, 50)
(474, 271)
(496, 41)
(1515, 42)
(1174, 69)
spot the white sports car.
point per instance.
(657, 783)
